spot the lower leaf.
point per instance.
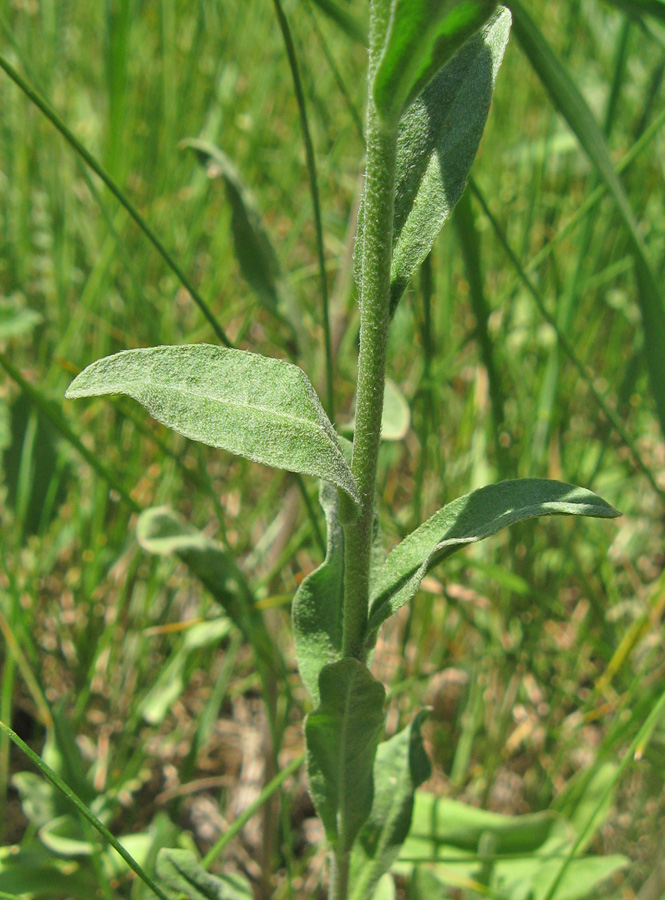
(400, 767)
(342, 734)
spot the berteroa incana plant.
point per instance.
(432, 68)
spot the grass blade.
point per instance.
(80, 806)
(99, 170)
(571, 104)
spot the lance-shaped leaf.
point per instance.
(422, 36)
(437, 143)
(182, 874)
(469, 519)
(263, 409)
(342, 734)
(318, 603)
(254, 251)
(400, 767)
(163, 532)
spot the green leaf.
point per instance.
(437, 143)
(440, 825)
(571, 104)
(263, 409)
(422, 37)
(35, 872)
(469, 519)
(534, 878)
(342, 734)
(254, 251)
(163, 532)
(318, 603)
(171, 682)
(401, 766)
(182, 873)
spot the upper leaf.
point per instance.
(437, 143)
(422, 36)
(342, 735)
(467, 520)
(401, 766)
(260, 408)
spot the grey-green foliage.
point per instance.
(401, 766)
(180, 872)
(437, 143)
(317, 605)
(263, 409)
(469, 519)
(422, 36)
(342, 734)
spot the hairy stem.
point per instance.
(339, 877)
(374, 320)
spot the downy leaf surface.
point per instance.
(181, 873)
(437, 143)
(401, 766)
(341, 735)
(318, 603)
(263, 409)
(466, 520)
(422, 37)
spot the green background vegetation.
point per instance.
(540, 651)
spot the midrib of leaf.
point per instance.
(341, 780)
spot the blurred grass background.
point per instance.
(540, 651)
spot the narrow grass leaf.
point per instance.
(318, 603)
(571, 104)
(182, 873)
(437, 144)
(342, 734)
(422, 37)
(401, 766)
(263, 409)
(469, 519)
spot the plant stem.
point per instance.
(374, 320)
(339, 877)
